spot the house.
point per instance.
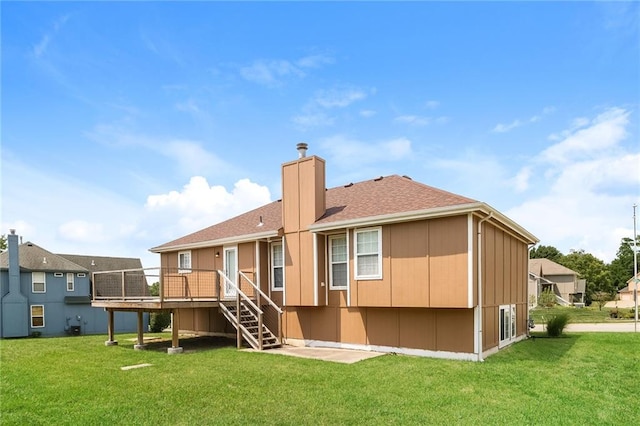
(387, 264)
(50, 294)
(626, 294)
(563, 282)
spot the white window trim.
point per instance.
(58, 274)
(356, 232)
(33, 281)
(186, 269)
(272, 267)
(31, 316)
(510, 337)
(330, 263)
(71, 280)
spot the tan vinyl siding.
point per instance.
(448, 267)
(410, 264)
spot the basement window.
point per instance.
(38, 282)
(368, 253)
(37, 316)
(507, 318)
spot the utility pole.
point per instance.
(635, 270)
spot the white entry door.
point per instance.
(230, 270)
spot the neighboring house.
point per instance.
(50, 294)
(387, 264)
(563, 282)
(626, 294)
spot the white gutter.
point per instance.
(480, 319)
(222, 241)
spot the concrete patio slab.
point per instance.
(345, 356)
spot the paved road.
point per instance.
(622, 327)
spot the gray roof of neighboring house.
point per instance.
(35, 258)
(104, 263)
(32, 258)
(544, 267)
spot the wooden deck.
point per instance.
(154, 304)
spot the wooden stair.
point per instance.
(249, 325)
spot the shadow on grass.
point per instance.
(187, 343)
(540, 347)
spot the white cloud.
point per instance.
(432, 104)
(350, 153)
(605, 132)
(583, 187)
(41, 47)
(413, 120)
(305, 121)
(503, 128)
(199, 205)
(338, 98)
(82, 231)
(366, 113)
(274, 72)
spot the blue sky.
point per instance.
(126, 125)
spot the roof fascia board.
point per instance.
(397, 217)
(222, 241)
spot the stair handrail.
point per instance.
(240, 292)
(262, 293)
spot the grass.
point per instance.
(580, 379)
(588, 314)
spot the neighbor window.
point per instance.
(507, 324)
(184, 261)
(38, 283)
(368, 253)
(338, 270)
(37, 316)
(277, 266)
(70, 281)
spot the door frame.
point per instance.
(227, 250)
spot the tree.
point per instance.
(621, 268)
(158, 321)
(601, 297)
(3, 242)
(592, 269)
(546, 252)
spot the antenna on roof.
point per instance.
(302, 149)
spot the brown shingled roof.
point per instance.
(545, 266)
(245, 224)
(383, 196)
(380, 196)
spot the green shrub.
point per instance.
(556, 325)
(159, 321)
(547, 299)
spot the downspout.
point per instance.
(480, 319)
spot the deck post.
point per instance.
(175, 318)
(110, 342)
(123, 295)
(140, 344)
(238, 334)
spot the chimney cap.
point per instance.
(12, 231)
(302, 149)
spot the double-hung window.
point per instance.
(37, 316)
(507, 316)
(368, 253)
(277, 266)
(184, 262)
(338, 256)
(38, 282)
(70, 281)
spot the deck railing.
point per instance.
(173, 284)
(272, 314)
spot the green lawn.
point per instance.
(580, 379)
(587, 314)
